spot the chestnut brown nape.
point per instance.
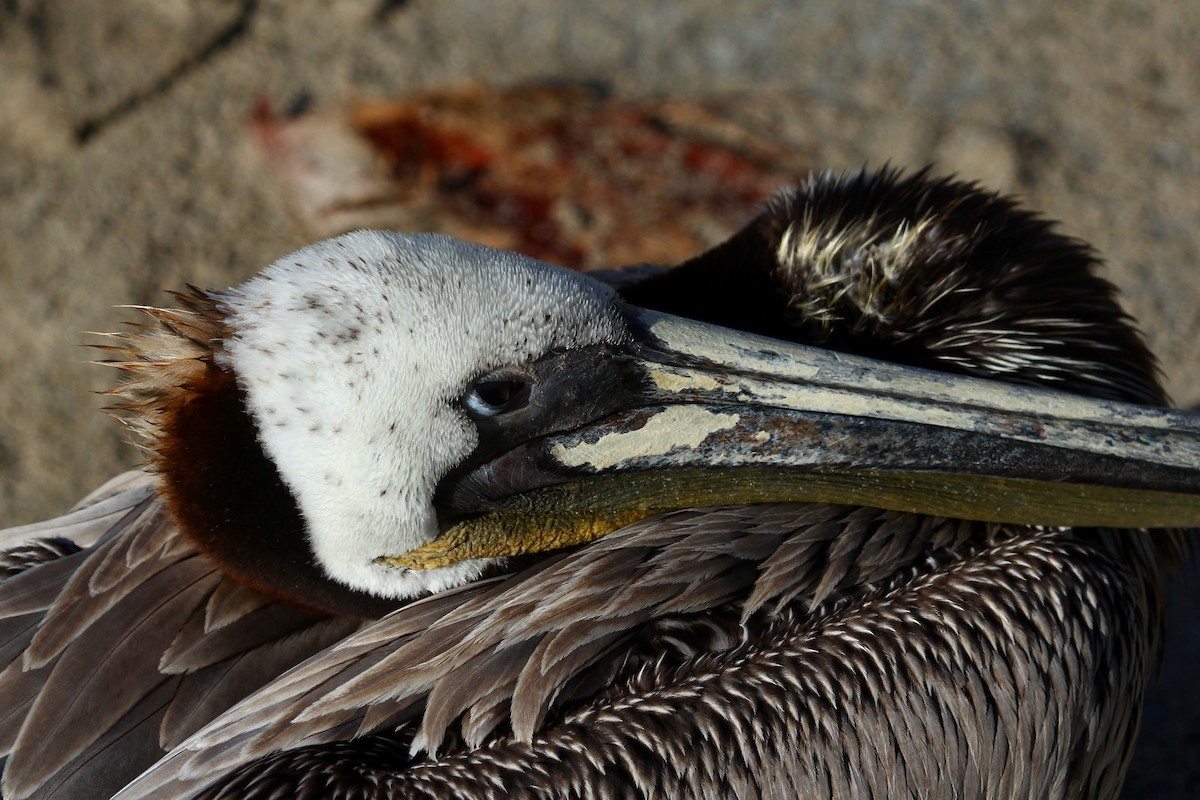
(188, 414)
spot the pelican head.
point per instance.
(369, 361)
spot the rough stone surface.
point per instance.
(125, 167)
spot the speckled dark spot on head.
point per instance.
(314, 428)
(382, 492)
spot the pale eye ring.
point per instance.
(497, 394)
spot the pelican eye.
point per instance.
(496, 394)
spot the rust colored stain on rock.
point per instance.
(563, 174)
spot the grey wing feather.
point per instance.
(101, 676)
(113, 653)
(209, 692)
(91, 517)
(230, 602)
(775, 627)
(517, 649)
(82, 600)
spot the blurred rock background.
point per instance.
(126, 166)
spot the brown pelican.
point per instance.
(665, 549)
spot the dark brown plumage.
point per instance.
(926, 271)
(779, 650)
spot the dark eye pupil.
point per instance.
(497, 393)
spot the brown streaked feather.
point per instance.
(194, 648)
(206, 693)
(447, 700)
(91, 517)
(151, 538)
(819, 675)
(90, 775)
(84, 600)
(19, 558)
(514, 660)
(541, 681)
(18, 686)
(102, 675)
(230, 602)
(120, 484)
(35, 590)
(183, 643)
(25, 598)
